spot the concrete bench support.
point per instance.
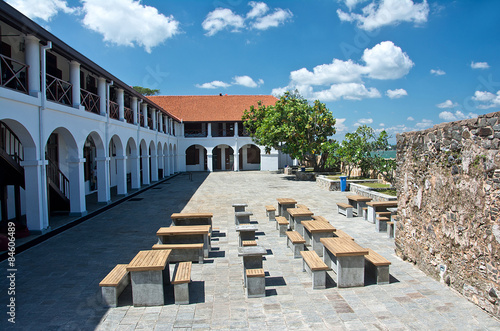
(344, 209)
(256, 283)
(315, 267)
(183, 252)
(113, 284)
(242, 217)
(281, 225)
(381, 224)
(181, 280)
(377, 265)
(295, 242)
(271, 212)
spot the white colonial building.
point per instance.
(69, 129)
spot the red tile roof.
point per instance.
(210, 108)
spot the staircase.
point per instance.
(58, 188)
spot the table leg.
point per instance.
(147, 287)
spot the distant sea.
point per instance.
(387, 154)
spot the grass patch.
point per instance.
(391, 192)
(376, 185)
(337, 177)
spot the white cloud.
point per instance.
(256, 18)
(410, 118)
(43, 9)
(340, 126)
(487, 100)
(424, 124)
(447, 104)
(213, 85)
(479, 65)
(456, 116)
(363, 121)
(222, 18)
(387, 12)
(246, 81)
(387, 61)
(348, 91)
(128, 23)
(382, 124)
(345, 78)
(352, 3)
(438, 72)
(396, 94)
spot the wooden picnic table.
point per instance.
(358, 202)
(252, 258)
(284, 204)
(182, 219)
(347, 259)
(246, 232)
(187, 234)
(374, 206)
(149, 270)
(296, 216)
(314, 231)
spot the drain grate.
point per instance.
(135, 199)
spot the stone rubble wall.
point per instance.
(448, 183)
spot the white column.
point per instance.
(209, 159)
(145, 114)
(209, 130)
(135, 171)
(37, 217)
(121, 175)
(236, 129)
(101, 91)
(32, 58)
(223, 157)
(160, 122)
(134, 109)
(145, 169)
(154, 167)
(153, 117)
(77, 187)
(74, 79)
(121, 104)
(103, 189)
(236, 158)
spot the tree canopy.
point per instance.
(293, 126)
(145, 90)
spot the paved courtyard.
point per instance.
(57, 281)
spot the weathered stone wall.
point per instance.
(448, 182)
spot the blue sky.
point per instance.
(398, 65)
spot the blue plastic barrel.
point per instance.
(343, 183)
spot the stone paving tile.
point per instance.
(57, 283)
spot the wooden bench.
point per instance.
(377, 206)
(281, 225)
(271, 212)
(320, 218)
(181, 279)
(383, 214)
(381, 223)
(246, 243)
(256, 283)
(113, 284)
(378, 266)
(302, 207)
(295, 242)
(315, 267)
(181, 219)
(341, 234)
(183, 252)
(344, 209)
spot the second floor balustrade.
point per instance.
(150, 122)
(194, 133)
(129, 115)
(141, 119)
(59, 90)
(113, 110)
(90, 101)
(13, 74)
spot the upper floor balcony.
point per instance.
(214, 129)
(13, 74)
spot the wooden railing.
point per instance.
(59, 90)
(91, 101)
(194, 133)
(58, 178)
(113, 110)
(141, 119)
(13, 74)
(150, 123)
(129, 115)
(11, 144)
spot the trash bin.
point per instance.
(302, 169)
(343, 183)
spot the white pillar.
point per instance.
(135, 171)
(103, 189)
(153, 118)
(121, 104)
(121, 175)
(145, 114)
(209, 159)
(236, 129)
(37, 217)
(154, 167)
(223, 157)
(236, 158)
(32, 58)
(76, 187)
(145, 169)
(209, 130)
(134, 109)
(74, 79)
(101, 91)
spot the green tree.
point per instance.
(359, 148)
(145, 90)
(293, 126)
